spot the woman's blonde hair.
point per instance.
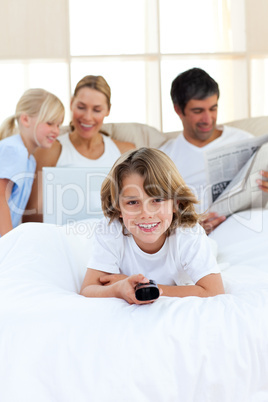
(161, 179)
(35, 102)
(96, 82)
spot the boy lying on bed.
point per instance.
(150, 231)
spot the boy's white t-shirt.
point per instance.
(185, 257)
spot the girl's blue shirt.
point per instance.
(17, 166)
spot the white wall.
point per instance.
(34, 29)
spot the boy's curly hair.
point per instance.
(161, 179)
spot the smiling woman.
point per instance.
(86, 145)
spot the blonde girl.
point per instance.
(35, 124)
(150, 231)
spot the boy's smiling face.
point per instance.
(146, 218)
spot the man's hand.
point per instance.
(263, 184)
(211, 221)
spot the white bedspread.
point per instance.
(56, 345)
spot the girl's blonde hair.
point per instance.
(161, 179)
(35, 102)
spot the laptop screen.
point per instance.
(72, 193)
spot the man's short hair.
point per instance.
(192, 84)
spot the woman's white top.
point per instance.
(71, 157)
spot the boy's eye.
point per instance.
(159, 199)
(133, 202)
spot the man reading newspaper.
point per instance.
(195, 98)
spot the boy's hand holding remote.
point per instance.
(136, 289)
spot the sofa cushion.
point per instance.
(143, 135)
(254, 125)
(139, 134)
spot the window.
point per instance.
(139, 47)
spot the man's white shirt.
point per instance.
(190, 160)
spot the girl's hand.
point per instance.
(110, 279)
(126, 289)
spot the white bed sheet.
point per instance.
(56, 345)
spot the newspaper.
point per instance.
(232, 172)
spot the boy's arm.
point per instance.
(209, 285)
(92, 287)
(5, 217)
(122, 289)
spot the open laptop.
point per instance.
(72, 193)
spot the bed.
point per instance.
(59, 346)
